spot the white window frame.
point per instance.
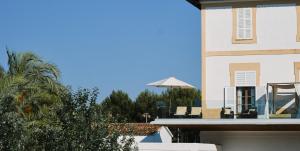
(244, 22)
(236, 37)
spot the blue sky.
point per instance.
(107, 44)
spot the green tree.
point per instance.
(11, 126)
(77, 125)
(146, 102)
(181, 97)
(31, 88)
(39, 113)
(85, 128)
(119, 106)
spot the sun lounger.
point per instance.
(196, 112)
(180, 111)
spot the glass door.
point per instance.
(245, 99)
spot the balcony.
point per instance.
(273, 101)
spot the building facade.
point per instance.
(247, 44)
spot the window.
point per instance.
(245, 98)
(245, 90)
(244, 74)
(244, 25)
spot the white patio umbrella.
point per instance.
(171, 82)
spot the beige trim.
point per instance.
(206, 113)
(235, 40)
(244, 67)
(296, 71)
(203, 65)
(252, 52)
(298, 21)
(212, 113)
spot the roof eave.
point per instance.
(196, 3)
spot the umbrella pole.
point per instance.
(170, 104)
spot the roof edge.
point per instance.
(196, 3)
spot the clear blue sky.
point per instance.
(108, 44)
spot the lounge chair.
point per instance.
(196, 112)
(180, 111)
(227, 113)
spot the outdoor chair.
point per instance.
(180, 111)
(250, 113)
(196, 112)
(227, 113)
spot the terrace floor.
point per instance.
(232, 124)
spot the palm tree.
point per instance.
(32, 82)
(32, 67)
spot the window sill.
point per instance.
(245, 41)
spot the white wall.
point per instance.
(165, 134)
(273, 68)
(276, 28)
(167, 145)
(178, 147)
(253, 141)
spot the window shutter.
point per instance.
(245, 78)
(230, 95)
(244, 23)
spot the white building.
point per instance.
(245, 45)
(250, 74)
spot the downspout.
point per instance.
(267, 102)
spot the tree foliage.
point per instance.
(119, 106)
(32, 83)
(38, 113)
(84, 127)
(146, 102)
(182, 97)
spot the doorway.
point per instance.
(245, 98)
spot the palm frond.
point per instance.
(2, 72)
(11, 85)
(12, 62)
